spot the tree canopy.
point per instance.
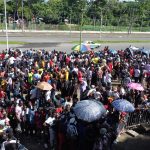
(109, 12)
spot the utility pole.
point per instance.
(6, 30)
(70, 20)
(81, 28)
(101, 24)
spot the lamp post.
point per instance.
(101, 24)
(81, 28)
(6, 30)
(70, 20)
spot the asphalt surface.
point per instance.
(65, 41)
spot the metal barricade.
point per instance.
(138, 117)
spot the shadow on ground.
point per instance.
(140, 142)
(39, 45)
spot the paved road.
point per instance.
(67, 37)
(62, 41)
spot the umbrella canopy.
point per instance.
(112, 51)
(89, 110)
(84, 48)
(145, 51)
(123, 105)
(36, 76)
(135, 86)
(133, 48)
(44, 86)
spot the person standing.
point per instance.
(137, 74)
(18, 114)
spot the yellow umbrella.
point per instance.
(45, 86)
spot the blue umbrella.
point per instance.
(112, 51)
(89, 110)
(123, 105)
(36, 76)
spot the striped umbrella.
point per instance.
(84, 48)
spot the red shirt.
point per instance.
(67, 60)
(46, 78)
(131, 72)
(59, 110)
(79, 75)
(2, 94)
(110, 65)
(51, 63)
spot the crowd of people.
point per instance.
(74, 77)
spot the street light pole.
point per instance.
(70, 20)
(22, 17)
(6, 25)
(101, 25)
(81, 30)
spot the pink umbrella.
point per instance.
(135, 86)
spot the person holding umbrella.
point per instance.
(124, 107)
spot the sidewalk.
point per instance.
(60, 31)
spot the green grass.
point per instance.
(12, 42)
(115, 41)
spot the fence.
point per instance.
(138, 117)
(73, 27)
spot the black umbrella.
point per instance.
(89, 110)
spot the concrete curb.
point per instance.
(57, 31)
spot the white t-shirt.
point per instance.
(122, 91)
(11, 60)
(50, 121)
(137, 73)
(48, 95)
(10, 81)
(67, 103)
(83, 86)
(107, 78)
(75, 69)
(18, 111)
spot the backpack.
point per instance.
(72, 131)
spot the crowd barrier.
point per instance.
(138, 117)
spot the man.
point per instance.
(18, 112)
(83, 86)
(50, 122)
(11, 142)
(137, 74)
